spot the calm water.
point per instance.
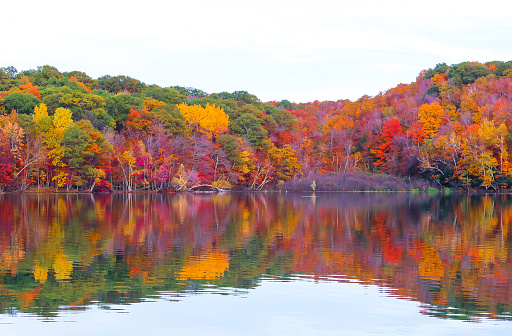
(256, 264)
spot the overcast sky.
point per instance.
(276, 49)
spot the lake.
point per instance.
(256, 264)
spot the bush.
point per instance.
(222, 184)
(353, 182)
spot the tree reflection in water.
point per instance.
(70, 251)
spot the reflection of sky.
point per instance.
(274, 308)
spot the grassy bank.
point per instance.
(354, 182)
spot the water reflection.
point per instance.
(451, 253)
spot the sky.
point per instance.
(273, 308)
(275, 49)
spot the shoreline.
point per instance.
(431, 191)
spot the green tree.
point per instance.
(77, 99)
(234, 149)
(171, 118)
(167, 95)
(8, 78)
(467, 73)
(75, 143)
(21, 102)
(82, 77)
(121, 83)
(500, 67)
(439, 69)
(100, 119)
(240, 96)
(250, 126)
(43, 74)
(285, 103)
(119, 106)
(282, 117)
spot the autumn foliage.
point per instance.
(210, 119)
(67, 131)
(452, 252)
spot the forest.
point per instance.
(65, 131)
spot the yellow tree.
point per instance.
(127, 162)
(12, 129)
(42, 123)
(449, 94)
(478, 146)
(210, 120)
(283, 160)
(61, 121)
(40, 112)
(431, 116)
(151, 104)
(495, 139)
(500, 139)
(468, 102)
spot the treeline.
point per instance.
(68, 131)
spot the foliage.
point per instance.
(210, 119)
(6, 163)
(118, 84)
(467, 73)
(430, 116)
(21, 102)
(450, 127)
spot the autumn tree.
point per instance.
(82, 85)
(28, 87)
(6, 163)
(61, 121)
(481, 165)
(210, 120)
(139, 123)
(430, 116)
(238, 154)
(383, 150)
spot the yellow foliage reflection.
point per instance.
(431, 266)
(208, 266)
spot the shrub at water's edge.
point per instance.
(354, 182)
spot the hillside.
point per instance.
(68, 131)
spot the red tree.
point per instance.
(383, 149)
(6, 162)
